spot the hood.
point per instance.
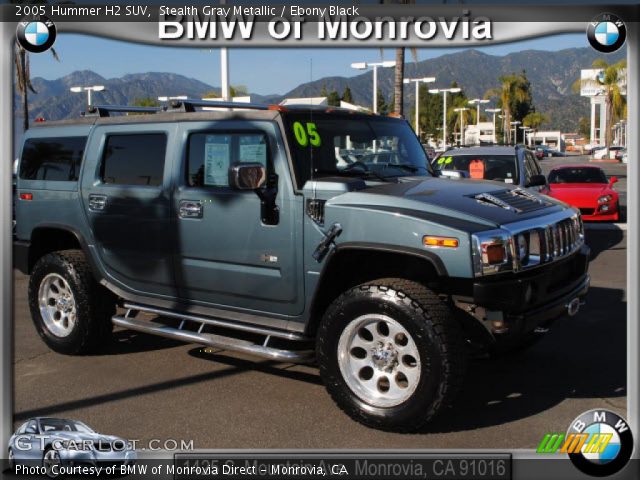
(476, 201)
(577, 192)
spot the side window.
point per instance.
(55, 159)
(134, 159)
(211, 154)
(528, 167)
(32, 427)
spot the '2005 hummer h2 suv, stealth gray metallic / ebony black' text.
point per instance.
(294, 233)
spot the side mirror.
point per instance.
(247, 176)
(537, 181)
(613, 180)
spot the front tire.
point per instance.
(70, 311)
(391, 354)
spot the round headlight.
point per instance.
(604, 199)
(523, 246)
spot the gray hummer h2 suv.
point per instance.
(294, 233)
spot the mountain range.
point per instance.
(552, 75)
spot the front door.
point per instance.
(227, 253)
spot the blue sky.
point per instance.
(263, 71)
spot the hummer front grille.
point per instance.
(551, 242)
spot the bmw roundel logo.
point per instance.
(36, 35)
(606, 442)
(607, 33)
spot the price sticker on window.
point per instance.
(476, 168)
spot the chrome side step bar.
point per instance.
(214, 340)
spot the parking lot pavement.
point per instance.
(146, 387)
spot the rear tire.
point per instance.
(406, 369)
(70, 310)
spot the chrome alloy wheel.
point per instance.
(51, 459)
(379, 360)
(57, 305)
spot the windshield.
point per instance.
(60, 425)
(577, 175)
(501, 168)
(325, 144)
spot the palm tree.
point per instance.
(615, 103)
(23, 77)
(510, 90)
(533, 120)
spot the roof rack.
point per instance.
(105, 110)
(190, 104)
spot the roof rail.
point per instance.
(190, 104)
(105, 110)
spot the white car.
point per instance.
(606, 153)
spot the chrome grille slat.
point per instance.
(556, 241)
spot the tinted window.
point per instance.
(56, 159)
(577, 175)
(211, 154)
(502, 168)
(134, 159)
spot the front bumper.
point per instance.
(519, 303)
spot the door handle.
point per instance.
(97, 203)
(190, 209)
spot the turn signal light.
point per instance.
(433, 241)
(26, 196)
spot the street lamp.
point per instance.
(524, 133)
(444, 92)
(417, 81)
(515, 132)
(364, 66)
(477, 102)
(494, 111)
(461, 112)
(95, 88)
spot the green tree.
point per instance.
(615, 103)
(23, 76)
(323, 92)
(238, 91)
(534, 120)
(383, 107)
(513, 92)
(584, 127)
(333, 98)
(144, 102)
(346, 95)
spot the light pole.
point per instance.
(461, 112)
(515, 131)
(494, 111)
(418, 81)
(444, 92)
(477, 102)
(95, 88)
(524, 133)
(364, 66)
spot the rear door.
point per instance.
(126, 199)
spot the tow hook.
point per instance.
(573, 307)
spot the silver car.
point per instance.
(46, 442)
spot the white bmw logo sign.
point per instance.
(608, 442)
(607, 33)
(36, 35)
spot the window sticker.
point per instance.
(255, 153)
(216, 160)
(476, 168)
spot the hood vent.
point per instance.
(517, 200)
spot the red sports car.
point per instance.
(585, 187)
